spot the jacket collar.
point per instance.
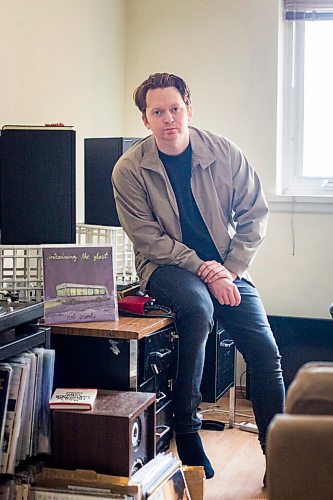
(201, 154)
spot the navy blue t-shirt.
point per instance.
(194, 230)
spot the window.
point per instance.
(308, 98)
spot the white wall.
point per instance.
(227, 51)
(63, 61)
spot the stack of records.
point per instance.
(162, 479)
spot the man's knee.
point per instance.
(197, 313)
(265, 359)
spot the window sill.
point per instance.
(300, 204)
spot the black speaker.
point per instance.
(116, 437)
(100, 156)
(37, 186)
(300, 340)
(218, 373)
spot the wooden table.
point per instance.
(124, 328)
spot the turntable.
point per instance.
(19, 325)
(15, 313)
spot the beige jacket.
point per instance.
(225, 187)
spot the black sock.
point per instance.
(191, 452)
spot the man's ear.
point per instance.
(189, 112)
(145, 121)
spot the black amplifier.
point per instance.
(162, 386)
(218, 374)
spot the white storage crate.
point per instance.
(118, 239)
(21, 268)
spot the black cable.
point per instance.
(241, 386)
(156, 307)
(176, 337)
(212, 425)
(145, 315)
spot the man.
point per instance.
(196, 214)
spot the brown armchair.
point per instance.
(300, 442)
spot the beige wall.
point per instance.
(228, 51)
(78, 61)
(63, 61)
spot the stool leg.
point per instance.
(232, 396)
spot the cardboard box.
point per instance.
(195, 480)
(86, 481)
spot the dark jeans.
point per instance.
(247, 324)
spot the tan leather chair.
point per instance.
(300, 442)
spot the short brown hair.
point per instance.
(160, 81)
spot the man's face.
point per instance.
(167, 116)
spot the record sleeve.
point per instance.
(79, 284)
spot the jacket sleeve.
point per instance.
(149, 238)
(250, 213)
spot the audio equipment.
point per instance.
(218, 374)
(100, 156)
(37, 186)
(300, 340)
(116, 437)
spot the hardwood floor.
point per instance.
(235, 455)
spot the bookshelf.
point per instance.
(20, 332)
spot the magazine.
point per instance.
(79, 284)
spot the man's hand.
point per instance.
(225, 291)
(211, 270)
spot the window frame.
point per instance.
(293, 182)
